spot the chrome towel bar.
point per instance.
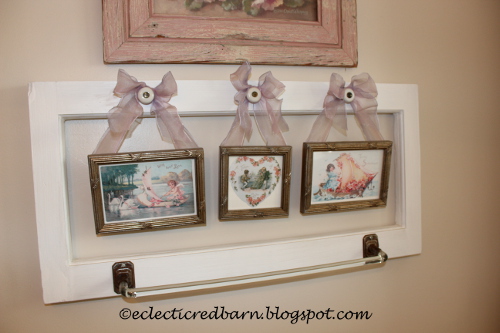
(124, 277)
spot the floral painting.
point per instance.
(254, 178)
(346, 175)
(303, 10)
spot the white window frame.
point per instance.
(65, 280)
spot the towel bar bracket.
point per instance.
(371, 247)
(123, 272)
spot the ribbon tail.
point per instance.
(170, 126)
(274, 108)
(334, 114)
(368, 121)
(267, 125)
(339, 118)
(321, 128)
(120, 119)
(110, 142)
(163, 128)
(241, 127)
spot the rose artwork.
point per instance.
(250, 7)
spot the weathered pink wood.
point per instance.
(139, 12)
(146, 38)
(224, 30)
(350, 32)
(113, 34)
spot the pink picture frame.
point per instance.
(136, 31)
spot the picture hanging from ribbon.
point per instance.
(126, 187)
(254, 180)
(344, 176)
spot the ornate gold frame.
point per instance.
(97, 160)
(309, 148)
(227, 214)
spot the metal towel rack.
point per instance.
(124, 277)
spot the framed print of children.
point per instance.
(331, 182)
(344, 176)
(348, 176)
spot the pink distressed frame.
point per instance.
(133, 34)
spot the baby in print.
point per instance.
(176, 194)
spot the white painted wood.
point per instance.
(65, 278)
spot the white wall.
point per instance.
(449, 48)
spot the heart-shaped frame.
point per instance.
(254, 178)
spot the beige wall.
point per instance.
(450, 48)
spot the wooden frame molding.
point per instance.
(133, 33)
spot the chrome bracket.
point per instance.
(123, 272)
(371, 247)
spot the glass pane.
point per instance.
(81, 137)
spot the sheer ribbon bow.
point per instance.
(361, 95)
(266, 107)
(122, 116)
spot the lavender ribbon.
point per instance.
(267, 110)
(122, 116)
(361, 94)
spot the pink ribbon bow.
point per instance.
(361, 95)
(122, 116)
(266, 107)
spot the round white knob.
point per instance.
(146, 95)
(349, 95)
(254, 95)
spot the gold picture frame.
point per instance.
(124, 190)
(344, 176)
(254, 182)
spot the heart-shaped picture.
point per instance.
(254, 178)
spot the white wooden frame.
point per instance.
(65, 279)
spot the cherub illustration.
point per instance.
(176, 194)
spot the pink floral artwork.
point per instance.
(278, 9)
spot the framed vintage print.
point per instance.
(254, 182)
(291, 32)
(147, 190)
(344, 176)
